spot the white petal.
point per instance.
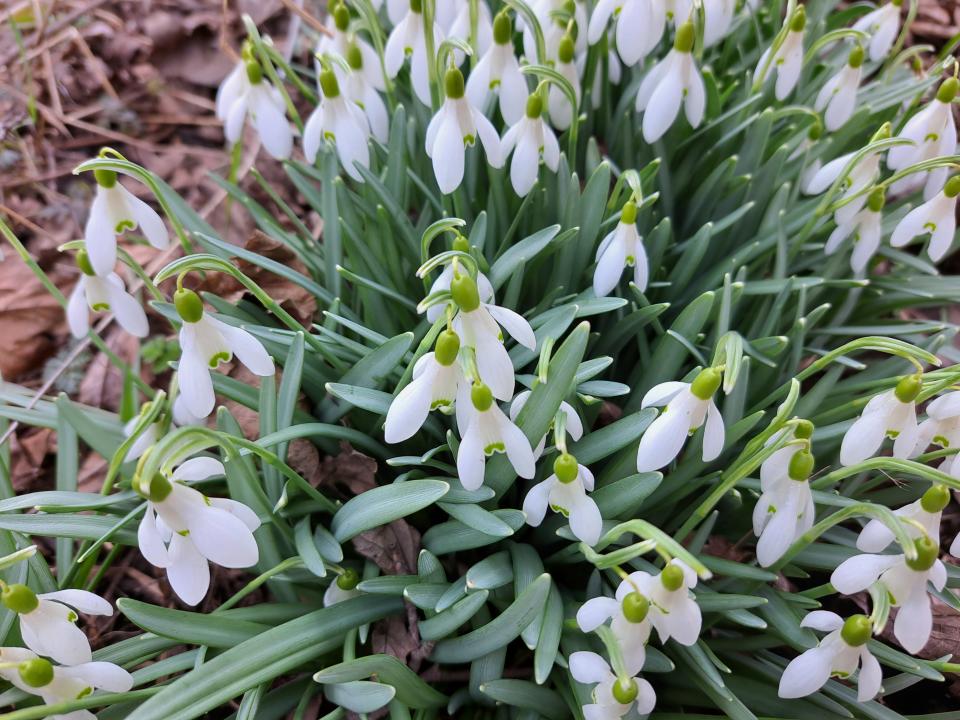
(198, 468)
(910, 226)
(100, 238)
(868, 683)
(517, 448)
(610, 267)
(196, 387)
(595, 612)
(448, 156)
(662, 394)
(247, 348)
(148, 220)
(247, 516)
(86, 602)
(188, 572)
(914, 622)
(78, 313)
(223, 538)
(713, 435)
(860, 572)
(863, 439)
(128, 311)
(805, 674)
(662, 441)
(409, 410)
(823, 620)
(470, 459)
(874, 537)
(515, 324)
(525, 166)
(663, 107)
(150, 542)
(272, 126)
(59, 638)
(585, 520)
(588, 667)
(535, 503)
(104, 675)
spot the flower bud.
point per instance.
(19, 598)
(801, 465)
(876, 200)
(465, 294)
(105, 178)
(803, 430)
(948, 90)
(799, 20)
(952, 187)
(453, 83)
(328, 84)
(628, 216)
(908, 388)
(502, 28)
(565, 51)
(341, 17)
(927, 552)
(481, 397)
(565, 468)
(348, 579)
(354, 57)
(625, 690)
(447, 347)
(36, 673)
(83, 262)
(935, 499)
(683, 42)
(635, 607)
(672, 577)
(254, 72)
(188, 304)
(706, 383)
(857, 630)
(534, 106)
(855, 58)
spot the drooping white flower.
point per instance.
(103, 294)
(574, 426)
(621, 248)
(882, 25)
(498, 72)
(936, 216)
(838, 96)
(787, 61)
(639, 26)
(673, 608)
(629, 615)
(942, 427)
(718, 18)
(865, 227)
(892, 412)
(554, 18)
(876, 536)
(531, 141)
(183, 529)
(565, 492)
(905, 580)
(454, 128)
(688, 406)
(613, 697)
(558, 103)
(114, 211)
(674, 81)
(485, 289)
(341, 121)
(436, 378)
(785, 509)
(840, 653)
(47, 620)
(342, 588)
(932, 133)
(489, 431)
(478, 325)
(408, 39)
(861, 176)
(60, 683)
(245, 93)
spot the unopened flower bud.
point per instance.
(882, 133)
(857, 630)
(188, 304)
(565, 468)
(19, 598)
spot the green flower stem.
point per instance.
(150, 414)
(429, 14)
(892, 464)
(832, 37)
(288, 564)
(664, 542)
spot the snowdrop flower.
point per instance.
(498, 72)
(47, 620)
(205, 342)
(489, 431)
(245, 93)
(718, 17)
(114, 211)
(785, 509)
(861, 176)
(673, 608)
(875, 536)
(839, 653)
(453, 129)
(629, 614)
(363, 85)
(882, 25)
(688, 406)
(839, 94)
(342, 122)
(485, 289)
(574, 427)
(478, 325)
(942, 427)
(672, 82)
(555, 18)
(622, 248)
(613, 697)
(937, 217)
(565, 492)
(408, 39)
(933, 133)
(787, 60)
(436, 379)
(342, 588)
(639, 26)
(905, 580)
(561, 111)
(531, 140)
(103, 294)
(182, 529)
(59, 683)
(865, 227)
(893, 412)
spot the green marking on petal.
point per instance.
(125, 225)
(494, 448)
(219, 358)
(100, 307)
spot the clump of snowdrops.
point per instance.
(635, 307)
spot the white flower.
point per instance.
(893, 412)
(453, 129)
(342, 588)
(865, 227)
(103, 294)
(936, 216)
(558, 103)
(244, 92)
(629, 614)
(205, 342)
(882, 26)
(435, 312)
(860, 177)
(58, 683)
(621, 248)
(408, 39)
(114, 211)
(47, 620)
(460, 28)
(489, 431)
(787, 61)
(785, 509)
(498, 72)
(839, 94)
(639, 26)
(436, 378)
(718, 17)
(905, 580)
(688, 406)
(612, 697)
(672, 82)
(673, 608)
(565, 492)
(839, 653)
(942, 427)
(478, 325)
(182, 529)
(342, 122)
(182, 417)
(574, 427)
(876, 536)
(932, 133)
(531, 140)
(554, 27)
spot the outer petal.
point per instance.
(198, 468)
(408, 411)
(585, 520)
(150, 542)
(860, 572)
(805, 674)
(518, 449)
(196, 387)
(150, 223)
(910, 226)
(272, 127)
(448, 155)
(595, 612)
(535, 503)
(713, 435)
(470, 459)
(78, 314)
(86, 602)
(99, 237)
(823, 620)
(662, 441)
(247, 348)
(223, 538)
(188, 572)
(610, 267)
(588, 667)
(128, 311)
(874, 537)
(864, 438)
(914, 622)
(515, 324)
(868, 683)
(663, 107)
(59, 638)
(247, 516)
